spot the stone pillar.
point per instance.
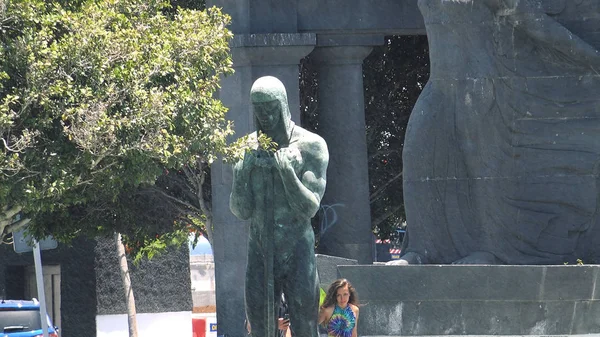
(346, 207)
(254, 55)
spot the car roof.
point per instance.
(20, 304)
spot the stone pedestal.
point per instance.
(346, 216)
(476, 300)
(254, 55)
(327, 268)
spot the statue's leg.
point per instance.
(256, 297)
(301, 288)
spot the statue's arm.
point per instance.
(545, 30)
(304, 193)
(240, 200)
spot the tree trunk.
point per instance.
(130, 300)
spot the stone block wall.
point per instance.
(161, 284)
(476, 300)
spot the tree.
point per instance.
(99, 100)
(394, 76)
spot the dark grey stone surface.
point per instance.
(161, 284)
(586, 317)
(382, 17)
(78, 288)
(270, 41)
(559, 286)
(327, 268)
(229, 246)
(551, 317)
(502, 153)
(348, 234)
(475, 300)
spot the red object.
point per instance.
(199, 327)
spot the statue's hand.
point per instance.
(246, 164)
(288, 159)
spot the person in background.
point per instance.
(339, 312)
(283, 322)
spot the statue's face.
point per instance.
(267, 113)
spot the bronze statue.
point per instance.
(279, 192)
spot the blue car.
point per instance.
(19, 318)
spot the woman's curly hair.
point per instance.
(331, 297)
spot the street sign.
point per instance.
(21, 242)
(39, 280)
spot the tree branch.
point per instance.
(384, 216)
(375, 195)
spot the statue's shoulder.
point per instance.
(310, 140)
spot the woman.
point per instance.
(339, 312)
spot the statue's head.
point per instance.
(270, 105)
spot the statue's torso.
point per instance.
(271, 206)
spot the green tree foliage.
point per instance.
(101, 99)
(393, 76)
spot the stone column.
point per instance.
(254, 55)
(346, 215)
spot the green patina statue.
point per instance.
(279, 192)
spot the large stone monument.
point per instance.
(502, 151)
(279, 192)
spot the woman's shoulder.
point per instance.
(327, 311)
(325, 314)
(354, 308)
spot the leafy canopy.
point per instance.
(97, 100)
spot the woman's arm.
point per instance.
(355, 330)
(325, 314)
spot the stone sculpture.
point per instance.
(502, 150)
(279, 192)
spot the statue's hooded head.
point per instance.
(270, 106)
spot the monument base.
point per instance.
(431, 300)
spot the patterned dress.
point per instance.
(341, 323)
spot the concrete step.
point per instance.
(432, 300)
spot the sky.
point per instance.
(203, 247)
